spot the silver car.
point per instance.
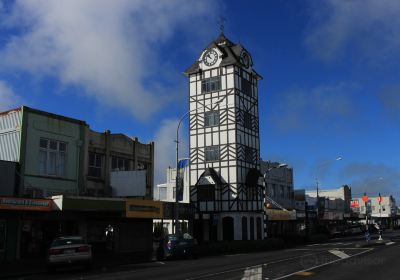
(69, 250)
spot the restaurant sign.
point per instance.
(140, 208)
(28, 204)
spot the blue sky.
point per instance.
(331, 75)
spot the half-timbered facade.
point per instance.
(225, 181)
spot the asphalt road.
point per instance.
(339, 259)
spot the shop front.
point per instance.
(281, 223)
(20, 234)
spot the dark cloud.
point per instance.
(372, 179)
(300, 108)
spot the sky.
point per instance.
(330, 73)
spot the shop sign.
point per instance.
(280, 215)
(354, 204)
(29, 204)
(139, 208)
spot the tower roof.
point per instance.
(230, 54)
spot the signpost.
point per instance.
(365, 199)
(379, 198)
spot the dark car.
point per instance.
(177, 245)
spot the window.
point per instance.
(120, 164)
(94, 164)
(248, 154)
(282, 192)
(162, 193)
(206, 193)
(211, 84)
(246, 87)
(211, 118)
(52, 157)
(212, 153)
(248, 120)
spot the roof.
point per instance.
(231, 53)
(213, 174)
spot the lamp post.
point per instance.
(281, 165)
(176, 226)
(317, 182)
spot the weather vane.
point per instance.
(221, 22)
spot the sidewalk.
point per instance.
(34, 266)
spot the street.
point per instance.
(342, 258)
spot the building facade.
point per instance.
(108, 152)
(46, 155)
(383, 212)
(225, 181)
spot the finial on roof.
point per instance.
(221, 22)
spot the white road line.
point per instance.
(253, 273)
(314, 267)
(339, 254)
(389, 243)
(242, 268)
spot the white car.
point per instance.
(69, 250)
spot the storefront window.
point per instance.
(2, 235)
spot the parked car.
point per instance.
(69, 250)
(177, 245)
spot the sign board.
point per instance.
(280, 215)
(354, 204)
(27, 204)
(140, 208)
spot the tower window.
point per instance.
(211, 84)
(248, 120)
(211, 118)
(212, 153)
(248, 154)
(246, 87)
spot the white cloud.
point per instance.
(8, 99)
(107, 47)
(370, 28)
(165, 148)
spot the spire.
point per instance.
(221, 23)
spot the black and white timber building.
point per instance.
(225, 181)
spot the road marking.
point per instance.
(339, 254)
(324, 264)
(242, 268)
(390, 243)
(253, 273)
(305, 273)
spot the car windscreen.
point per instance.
(67, 241)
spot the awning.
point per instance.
(280, 215)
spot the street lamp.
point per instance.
(316, 180)
(176, 227)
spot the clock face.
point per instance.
(210, 57)
(245, 59)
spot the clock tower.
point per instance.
(225, 181)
